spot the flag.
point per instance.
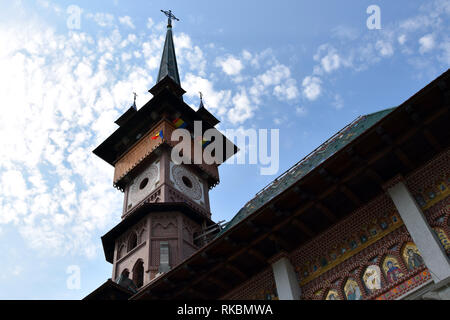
(179, 123)
(158, 135)
(203, 142)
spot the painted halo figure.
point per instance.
(352, 290)
(414, 259)
(393, 272)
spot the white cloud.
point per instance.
(53, 189)
(230, 65)
(338, 102)
(242, 108)
(345, 32)
(102, 19)
(287, 90)
(150, 23)
(216, 101)
(329, 59)
(126, 20)
(246, 55)
(301, 111)
(384, 48)
(311, 87)
(278, 77)
(427, 43)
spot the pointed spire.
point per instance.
(134, 103)
(201, 101)
(169, 65)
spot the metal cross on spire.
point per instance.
(170, 16)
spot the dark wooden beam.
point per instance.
(280, 242)
(219, 283)
(189, 269)
(349, 194)
(432, 140)
(374, 176)
(257, 228)
(258, 255)
(226, 264)
(404, 159)
(302, 227)
(236, 271)
(327, 176)
(327, 212)
(197, 293)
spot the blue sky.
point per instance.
(305, 67)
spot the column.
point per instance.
(286, 280)
(423, 236)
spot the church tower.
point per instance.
(166, 213)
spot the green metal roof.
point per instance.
(307, 164)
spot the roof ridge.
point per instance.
(314, 159)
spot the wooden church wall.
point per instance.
(370, 254)
(376, 257)
(260, 287)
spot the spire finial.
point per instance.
(169, 61)
(134, 103)
(170, 16)
(201, 100)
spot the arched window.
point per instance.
(132, 241)
(138, 273)
(142, 236)
(121, 252)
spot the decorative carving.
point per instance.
(187, 182)
(142, 185)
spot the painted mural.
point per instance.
(432, 195)
(372, 278)
(267, 294)
(352, 291)
(412, 257)
(369, 234)
(445, 242)
(392, 269)
(332, 295)
(406, 286)
(377, 258)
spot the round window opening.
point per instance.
(187, 182)
(143, 183)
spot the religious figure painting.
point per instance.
(372, 278)
(351, 290)
(443, 238)
(442, 187)
(332, 295)
(392, 269)
(420, 200)
(412, 256)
